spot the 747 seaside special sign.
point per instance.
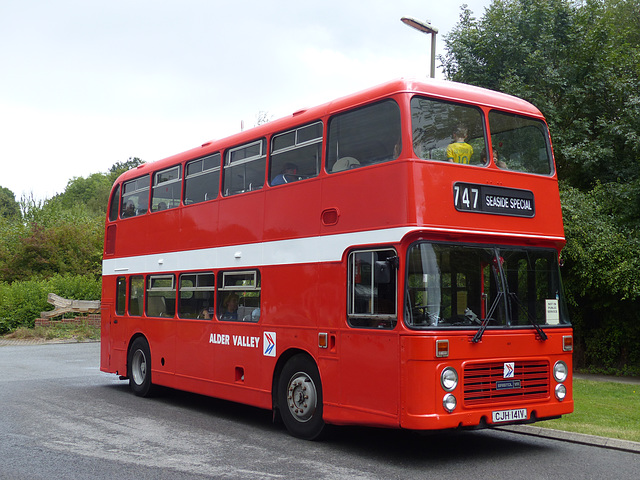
(470, 197)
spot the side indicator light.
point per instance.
(567, 343)
(323, 340)
(442, 348)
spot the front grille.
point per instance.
(481, 382)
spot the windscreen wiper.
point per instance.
(485, 321)
(534, 322)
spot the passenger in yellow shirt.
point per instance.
(459, 151)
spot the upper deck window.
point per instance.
(244, 168)
(365, 136)
(296, 155)
(448, 132)
(520, 143)
(135, 197)
(114, 205)
(202, 179)
(166, 189)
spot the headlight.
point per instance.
(560, 371)
(449, 402)
(561, 391)
(449, 379)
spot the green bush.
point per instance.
(21, 302)
(602, 258)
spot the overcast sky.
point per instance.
(88, 83)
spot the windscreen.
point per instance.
(467, 286)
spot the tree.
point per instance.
(9, 208)
(93, 192)
(120, 167)
(579, 63)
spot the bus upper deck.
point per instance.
(379, 159)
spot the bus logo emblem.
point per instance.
(509, 370)
(269, 344)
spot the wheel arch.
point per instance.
(133, 338)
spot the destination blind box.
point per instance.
(469, 197)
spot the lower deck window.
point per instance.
(121, 295)
(197, 293)
(239, 296)
(136, 295)
(161, 296)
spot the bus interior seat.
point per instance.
(345, 163)
(156, 307)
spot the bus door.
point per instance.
(370, 347)
(113, 325)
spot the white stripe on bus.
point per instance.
(318, 249)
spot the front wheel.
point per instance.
(300, 398)
(139, 367)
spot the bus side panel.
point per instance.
(197, 223)
(105, 336)
(294, 211)
(369, 377)
(241, 217)
(161, 335)
(368, 198)
(290, 296)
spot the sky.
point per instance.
(88, 83)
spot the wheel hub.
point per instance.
(302, 397)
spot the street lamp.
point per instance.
(425, 27)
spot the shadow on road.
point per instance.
(388, 445)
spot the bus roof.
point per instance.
(441, 89)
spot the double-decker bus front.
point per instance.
(488, 338)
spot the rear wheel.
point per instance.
(139, 366)
(300, 398)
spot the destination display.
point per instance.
(470, 197)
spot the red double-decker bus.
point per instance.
(387, 259)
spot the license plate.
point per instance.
(500, 416)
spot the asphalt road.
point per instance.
(60, 417)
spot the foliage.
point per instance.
(93, 192)
(602, 258)
(579, 63)
(22, 301)
(52, 240)
(9, 208)
(53, 246)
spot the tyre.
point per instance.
(139, 367)
(300, 398)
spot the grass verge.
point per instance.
(605, 409)
(62, 331)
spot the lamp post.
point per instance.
(425, 27)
